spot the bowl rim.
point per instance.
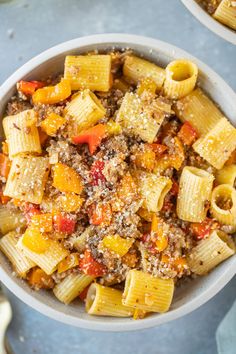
(102, 324)
(208, 21)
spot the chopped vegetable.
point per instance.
(66, 179)
(147, 85)
(175, 188)
(52, 123)
(29, 87)
(117, 244)
(96, 172)
(159, 149)
(158, 234)
(180, 264)
(5, 149)
(29, 210)
(93, 137)
(69, 262)
(145, 158)
(113, 128)
(3, 198)
(203, 229)
(42, 222)
(127, 189)
(70, 202)
(187, 134)
(34, 240)
(39, 279)
(52, 94)
(84, 293)
(5, 165)
(100, 214)
(90, 266)
(64, 223)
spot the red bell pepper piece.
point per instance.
(84, 293)
(92, 137)
(159, 149)
(90, 266)
(201, 230)
(175, 188)
(96, 172)
(29, 87)
(63, 223)
(30, 210)
(187, 133)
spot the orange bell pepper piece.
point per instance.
(43, 222)
(70, 202)
(66, 179)
(34, 240)
(5, 165)
(100, 214)
(29, 87)
(52, 94)
(5, 148)
(157, 234)
(64, 224)
(187, 134)
(69, 262)
(93, 137)
(52, 123)
(39, 279)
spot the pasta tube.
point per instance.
(137, 69)
(21, 133)
(181, 77)
(85, 109)
(223, 204)
(153, 189)
(88, 72)
(19, 261)
(226, 13)
(105, 301)
(211, 251)
(27, 178)
(194, 191)
(140, 119)
(218, 144)
(199, 110)
(49, 258)
(71, 286)
(148, 293)
(227, 175)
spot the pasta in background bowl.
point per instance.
(218, 22)
(189, 295)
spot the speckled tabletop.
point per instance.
(26, 28)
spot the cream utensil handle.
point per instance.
(5, 318)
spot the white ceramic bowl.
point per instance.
(208, 21)
(194, 293)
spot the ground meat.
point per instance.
(16, 106)
(111, 101)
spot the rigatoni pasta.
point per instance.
(194, 192)
(27, 178)
(181, 78)
(218, 144)
(226, 13)
(210, 252)
(88, 72)
(21, 133)
(223, 204)
(71, 286)
(144, 292)
(116, 203)
(105, 301)
(199, 110)
(19, 261)
(137, 69)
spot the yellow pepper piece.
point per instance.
(42, 222)
(52, 94)
(66, 179)
(35, 241)
(69, 262)
(180, 264)
(70, 202)
(113, 128)
(117, 244)
(52, 123)
(146, 85)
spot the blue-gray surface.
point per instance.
(26, 28)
